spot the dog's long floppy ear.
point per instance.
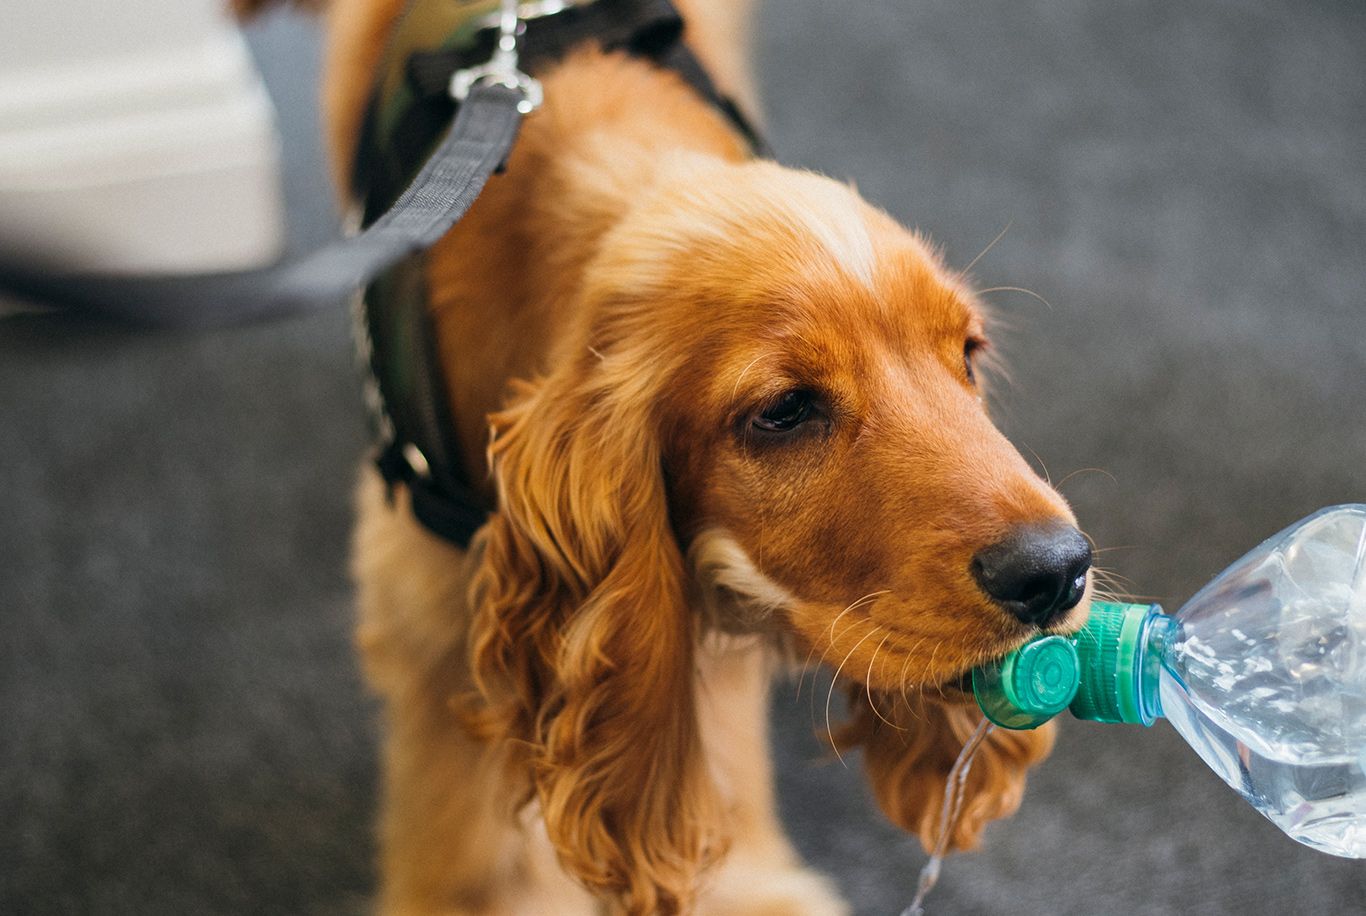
(910, 745)
(582, 644)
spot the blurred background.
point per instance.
(182, 726)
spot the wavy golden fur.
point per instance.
(576, 708)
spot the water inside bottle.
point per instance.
(1317, 802)
(949, 813)
(1266, 678)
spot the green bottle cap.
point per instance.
(1110, 648)
(1030, 685)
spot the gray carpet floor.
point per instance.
(182, 727)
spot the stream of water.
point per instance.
(948, 817)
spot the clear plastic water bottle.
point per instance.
(1263, 673)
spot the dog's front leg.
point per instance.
(762, 873)
(449, 843)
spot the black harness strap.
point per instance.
(419, 446)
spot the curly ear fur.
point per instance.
(583, 646)
(909, 747)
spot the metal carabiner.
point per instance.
(501, 68)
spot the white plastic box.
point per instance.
(135, 136)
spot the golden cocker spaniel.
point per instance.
(735, 421)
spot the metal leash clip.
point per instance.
(536, 9)
(501, 69)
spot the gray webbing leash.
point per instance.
(476, 146)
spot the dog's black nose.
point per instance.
(1037, 573)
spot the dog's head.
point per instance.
(771, 405)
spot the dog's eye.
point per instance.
(970, 349)
(788, 412)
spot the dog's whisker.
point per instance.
(1111, 586)
(868, 684)
(871, 596)
(1097, 550)
(759, 551)
(983, 253)
(1014, 289)
(1116, 576)
(930, 667)
(1110, 577)
(910, 656)
(821, 661)
(1048, 478)
(901, 680)
(1100, 572)
(1122, 596)
(857, 603)
(735, 389)
(834, 637)
(1061, 483)
(1104, 593)
(801, 678)
(815, 672)
(830, 694)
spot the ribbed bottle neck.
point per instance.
(1159, 629)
